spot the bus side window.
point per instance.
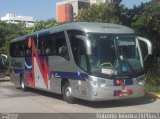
(52, 45)
(44, 45)
(18, 49)
(61, 45)
(82, 55)
(41, 46)
(28, 46)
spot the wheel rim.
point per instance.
(68, 92)
(22, 85)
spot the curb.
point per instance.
(152, 95)
(7, 76)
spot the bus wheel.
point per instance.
(67, 93)
(23, 86)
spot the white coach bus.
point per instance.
(90, 61)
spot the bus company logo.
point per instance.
(57, 75)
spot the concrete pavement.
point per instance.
(14, 100)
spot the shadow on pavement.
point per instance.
(4, 80)
(44, 93)
(117, 103)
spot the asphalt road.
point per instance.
(14, 100)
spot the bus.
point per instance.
(3, 65)
(89, 61)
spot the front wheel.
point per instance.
(67, 93)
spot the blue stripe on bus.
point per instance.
(78, 76)
(69, 75)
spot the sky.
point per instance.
(42, 9)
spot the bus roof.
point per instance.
(100, 28)
(87, 27)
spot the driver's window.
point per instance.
(78, 49)
(82, 55)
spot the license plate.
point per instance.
(122, 93)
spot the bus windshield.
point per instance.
(113, 55)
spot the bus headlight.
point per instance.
(140, 81)
(98, 82)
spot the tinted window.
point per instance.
(54, 44)
(78, 49)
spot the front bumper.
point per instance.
(102, 94)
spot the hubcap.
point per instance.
(68, 92)
(22, 85)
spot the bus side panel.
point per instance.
(60, 68)
(57, 66)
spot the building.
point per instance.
(65, 11)
(78, 4)
(12, 18)
(105, 1)
(97, 1)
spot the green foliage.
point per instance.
(98, 13)
(43, 25)
(127, 15)
(153, 82)
(148, 21)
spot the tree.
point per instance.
(3, 32)
(44, 25)
(98, 13)
(147, 24)
(126, 15)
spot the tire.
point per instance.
(23, 86)
(67, 93)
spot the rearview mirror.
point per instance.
(148, 43)
(3, 61)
